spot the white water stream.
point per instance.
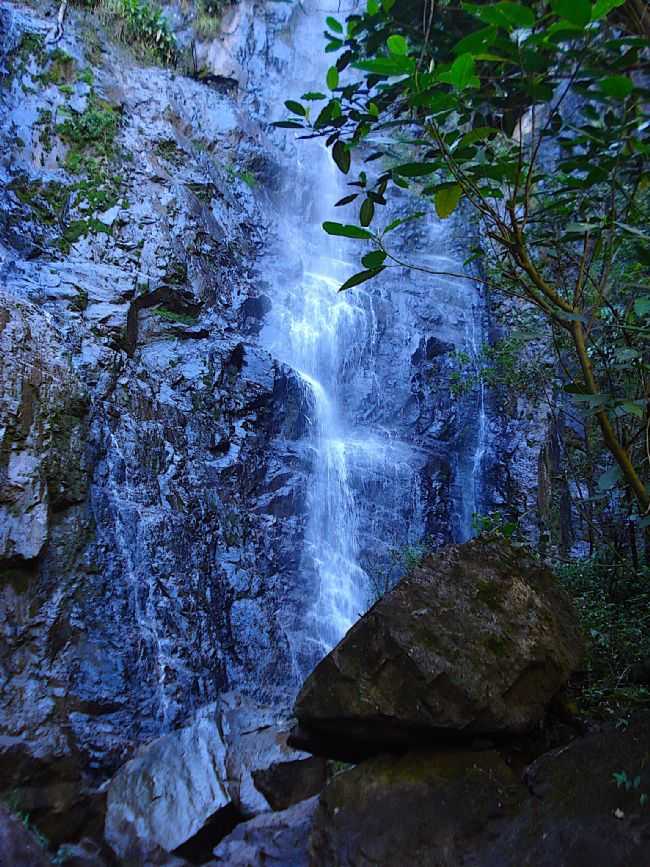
(363, 473)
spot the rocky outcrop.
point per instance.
(456, 808)
(43, 407)
(475, 641)
(191, 786)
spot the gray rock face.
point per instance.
(167, 792)
(151, 478)
(272, 838)
(476, 640)
(263, 772)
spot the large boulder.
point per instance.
(476, 641)
(460, 808)
(167, 793)
(422, 808)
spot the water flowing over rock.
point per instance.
(476, 640)
(207, 455)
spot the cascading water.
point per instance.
(376, 437)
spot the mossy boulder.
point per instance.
(477, 640)
(584, 805)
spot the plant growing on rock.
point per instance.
(535, 116)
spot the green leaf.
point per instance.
(295, 107)
(397, 45)
(343, 230)
(367, 212)
(477, 41)
(576, 12)
(313, 95)
(394, 65)
(636, 408)
(361, 277)
(642, 306)
(346, 200)
(341, 156)
(333, 24)
(505, 14)
(332, 78)
(602, 8)
(462, 71)
(374, 259)
(287, 124)
(617, 86)
(478, 134)
(415, 170)
(609, 479)
(402, 220)
(447, 200)
(373, 7)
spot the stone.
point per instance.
(455, 809)
(476, 641)
(168, 791)
(272, 838)
(263, 772)
(18, 846)
(422, 808)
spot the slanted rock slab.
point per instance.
(476, 641)
(167, 793)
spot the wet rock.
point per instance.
(17, 845)
(167, 793)
(42, 452)
(86, 853)
(475, 641)
(271, 838)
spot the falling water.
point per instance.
(365, 490)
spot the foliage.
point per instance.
(208, 17)
(174, 316)
(613, 605)
(91, 131)
(140, 24)
(401, 562)
(630, 784)
(537, 118)
(495, 524)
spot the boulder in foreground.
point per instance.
(477, 640)
(458, 808)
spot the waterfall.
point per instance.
(378, 438)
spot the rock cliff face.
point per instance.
(156, 457)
